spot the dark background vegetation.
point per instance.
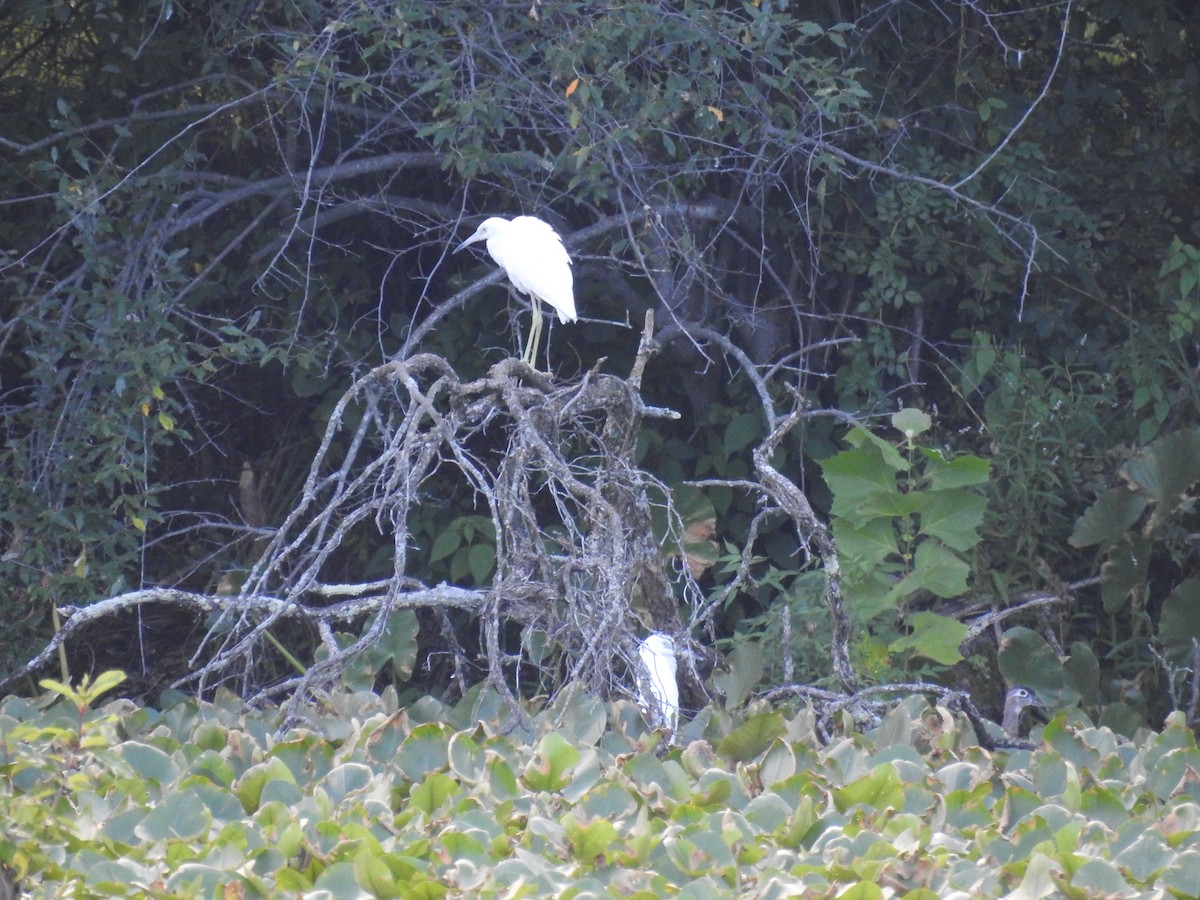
(216, 215)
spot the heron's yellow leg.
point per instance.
(535, 333)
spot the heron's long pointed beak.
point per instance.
(472, 239)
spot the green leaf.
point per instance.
(872, 595)
(150, 762)
(892, 506)
(880, 790)
(425, 750)
(1025, 658)
(399, 641)
(1179, 622)
(372, 873)
(854, 477)
(1147, 855)
(934, 637)
(752, 737)
(180, 816)
(1082, 672)
(953, 517)
(433, 792)
(778, 764)
(1106, 521)
(1187, 281)
(936, 569)
(1180, 877)
(550, 770)
(911, 422)
(446, 543)
(590, 840)
(743, 430)
(960, 472)
(867, 441)
(1166, 471)
(481, 560)
(943, 572)
(746, 667)
(1038, 880)
(249, 787)
(1124, 571)
(864, 547)
(346, 779)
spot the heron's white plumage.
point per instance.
(657, 652)
(533, 256)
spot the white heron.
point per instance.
(661, 701)
(531, 253)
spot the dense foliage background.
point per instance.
(217, 215)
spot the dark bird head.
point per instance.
(1016, 701)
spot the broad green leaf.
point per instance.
(893, 505)
(1106, 521)
(180, 815)
(869, 596)
(446, 543)
(855, 475)
(779, 763)
(743, 430)
(1025, 658)
(432, 793)
(867, 441)
(591, 839)
(937, 569)
(864, 547)
(768, 812)
(1166, 471)
(372, 873)
(426, 749)
(481, 560)
(345, 780)
(1180, 876)
(1147, 855)
(943, 572)
(249, 787)
(399, 640)
(1124, 571)
(692, 504)
(1038, 880)
(953, 517)
(1179, 621)
(881, 789)
(193, 878)
(1082, 671)
(801, 823)
(752, 737)
(911, 422)
(550, 769)
(746, 667)
(338, 880)
(934, 637)
(502, 780)
(150, 762)
(960, 472)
